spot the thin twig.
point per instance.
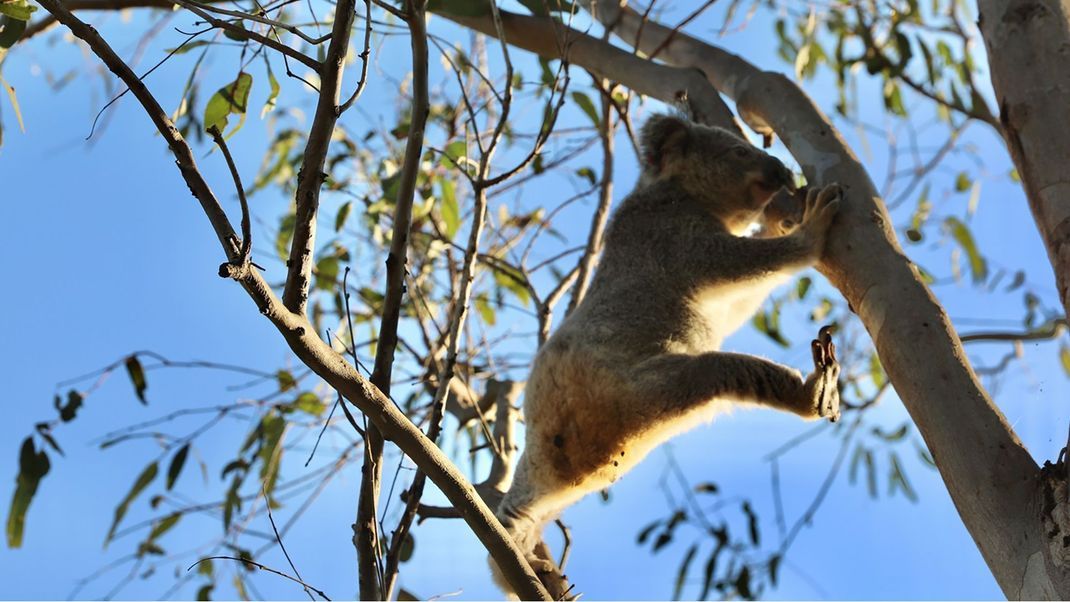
(262, 568)
(246, 225)
(278, 538)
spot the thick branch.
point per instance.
(310, 178)
(988, 472)
(310, 348)
(550, 39)
(1026, 43)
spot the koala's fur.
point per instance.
(638, 362)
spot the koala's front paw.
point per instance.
(818, 212)
(822, 386)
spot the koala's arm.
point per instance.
(726, 257)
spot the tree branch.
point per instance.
(550, 39)
(1031, 102)
(311, 176)
(302, 338)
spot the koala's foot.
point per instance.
(555, 582)
(822, 386)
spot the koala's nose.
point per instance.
(775, 173)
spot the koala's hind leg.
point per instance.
(678, 384)
(526, 507)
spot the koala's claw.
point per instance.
(822, 386)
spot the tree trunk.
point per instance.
(1034, 111)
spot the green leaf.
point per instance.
(175, 468)
(342, 216)
(707, 488)
(137, 377)
(742, 584)
(512, 280)
(408, 546)
(286, 234)
(486, 311)
(925, 456)
(164, 525)
(33, 466)
(143, 480)
(239, 586)
(231, 503)
(647, 530)
(450, 210)
(206, 568)
(802, 286)
(10, 30)
(67, 411)
(893, 99)
(43, 430)
(588, 174)
(768, 323)
(962, 235)
(876, 370)
(270, 454)
(752, 524)
(273, 95)
(237, 36)
(327, 273)
(309, 403)
(871, 473)
(898, 481)
(205, 592)
(19, 10)
(587, 106)
(962, 182)
(896, 435)
(921, 214)
(286, 380)
(14, 103)
(1064, 359)
(231, 99)
(681, 574)
(711, 565)
(455, 155)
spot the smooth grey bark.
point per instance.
(1028, 44)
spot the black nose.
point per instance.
(774, 173)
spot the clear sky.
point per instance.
(105, 253)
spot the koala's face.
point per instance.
(735, 179)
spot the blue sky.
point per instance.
(106, 253)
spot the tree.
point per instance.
(417, 190)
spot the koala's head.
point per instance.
(732, 177)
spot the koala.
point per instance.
(639, 360)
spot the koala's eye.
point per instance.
(740, 151)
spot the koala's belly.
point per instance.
(721, 309)
(580, 421)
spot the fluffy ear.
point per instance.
(662, 138)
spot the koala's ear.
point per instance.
(662, 138)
